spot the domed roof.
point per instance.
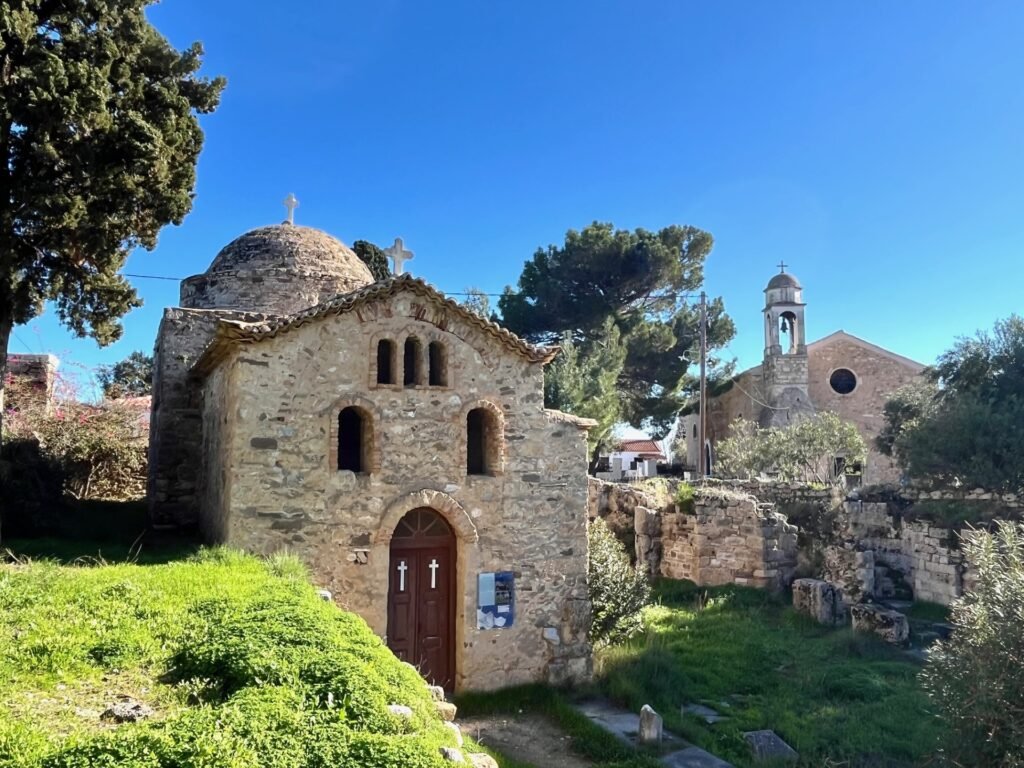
(783, 280)
(298, 249)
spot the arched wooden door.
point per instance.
(421, 595)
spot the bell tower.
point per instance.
(785, 352)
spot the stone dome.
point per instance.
(277, 270)
(298, 249)
(783, 280)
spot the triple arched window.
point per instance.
(419, 366)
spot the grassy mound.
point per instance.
(240, 660)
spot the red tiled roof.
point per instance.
(643, 447)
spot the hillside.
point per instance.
(239, 660)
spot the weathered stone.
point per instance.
(446, 710)
(818, 599)
(456, 731)
(436, 692)
(325, 595)
(767, 745)
(481, 760)
(650, 726)
(401, 711)
(452, 754)
(891, 626)
(127, 711)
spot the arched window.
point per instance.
(412, 359)
(385, 359)
(788, 327)
(483, 442)
(437, 358)
(352, 440)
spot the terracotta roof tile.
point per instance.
(231, 332)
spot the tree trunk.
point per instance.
(6, 326)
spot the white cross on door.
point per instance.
(402, 568)
(433, 573)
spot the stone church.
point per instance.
(840, 373)
(394, 440)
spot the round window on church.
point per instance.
(843, 381)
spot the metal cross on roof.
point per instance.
(398, 255)
(782, 266)
(291, 203)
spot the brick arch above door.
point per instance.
(453, 512)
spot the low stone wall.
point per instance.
(616, 504)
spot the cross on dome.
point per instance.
(782, 267)
(291, 203)
(398, 255)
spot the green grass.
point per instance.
(587, 739)
(837, 698)
(241, 660)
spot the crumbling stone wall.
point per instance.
(726, 538)
(36, 376)
(729, 539)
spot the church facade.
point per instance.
(394, 440)
(840, 373)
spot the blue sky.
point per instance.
(876, 147)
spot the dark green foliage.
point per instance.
(966, 425)
(641, 281)
(837, 698)
(99, 137)
(976, 677)
(618, 590)
(373, 257)
(586, 385)
(132, 377)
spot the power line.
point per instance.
(447, 293)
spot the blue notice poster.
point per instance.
(495, 600)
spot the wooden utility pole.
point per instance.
(702, 471)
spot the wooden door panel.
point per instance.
(402, 606)
(421, 621)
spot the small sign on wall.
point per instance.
(495, 604)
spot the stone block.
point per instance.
(768, 745)
(650, 726)
(889, 625)
(819, 600)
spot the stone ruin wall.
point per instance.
(728, 538)
(866, 549)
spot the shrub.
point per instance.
(618, 591)
(684, 498)
(976, 677)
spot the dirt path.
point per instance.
(527, 738)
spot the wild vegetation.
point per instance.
(100, 137)
(240, 660)
(619, 591)
(837, 698)
(805, 450)
(976, 677)
(962, 426)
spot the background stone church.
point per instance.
(395, 440)
(840, 373)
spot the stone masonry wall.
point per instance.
(878, 376)
(728, 540)
(176, 434)
(529, 516)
